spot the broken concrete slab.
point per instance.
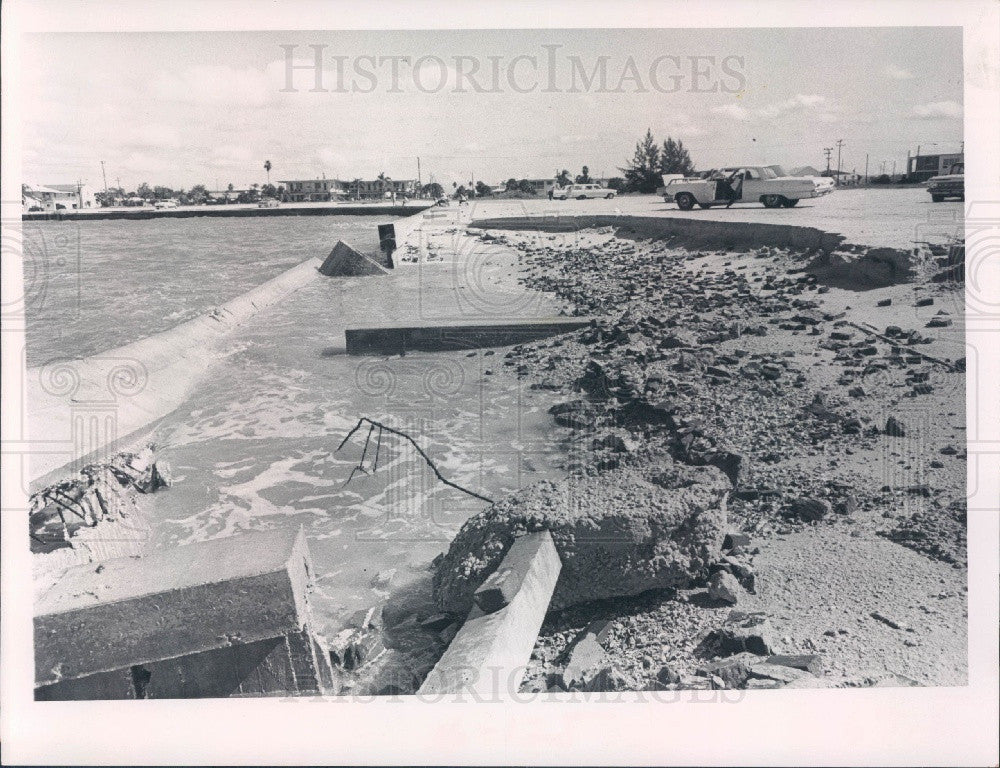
(620, 533)
(489, 654)
(291, 665)
(172, 602)
(344, 261)
(460, 334)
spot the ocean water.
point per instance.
(91, 286)
(256, 444)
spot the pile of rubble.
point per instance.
(101, 493)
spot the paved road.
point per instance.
(894, 218)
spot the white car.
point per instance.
(165, 204)
(582, 192)
(745, 184)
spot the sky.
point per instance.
(180, 109)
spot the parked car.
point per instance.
(165, 204)
(268, 202)
(582, 192)
(668, 178)
(951, 184)
(745, 184)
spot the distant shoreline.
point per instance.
(228, 211)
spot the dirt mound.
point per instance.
(620, 533)
(876, 268)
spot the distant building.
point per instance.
(220, 196)
(542, 186)
(56, 197)
(375, 189)
(322, 190)
(843, 178)
(805, 170)
(312, 190)
(922, 167)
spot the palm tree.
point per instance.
(267, 168)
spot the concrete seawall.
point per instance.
(82, 410)
(224, 212)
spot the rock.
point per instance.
(745, 632)
(809, 510)
(735, 541)
(594, 380)
(777, 672)
(724, 586)
(894, 680)
(744, 573)
(619, 533)
(887, 620)
(806, 662)
(352, 648)
(585, 661)
(677, 339)
(667, 676)
(894, 428)
(924, 302)
(733, 671)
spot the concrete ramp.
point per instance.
(218, 618)
(344, 261)
(457, 335)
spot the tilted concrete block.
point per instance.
(170, 603)
(344, 261)
(490, 653)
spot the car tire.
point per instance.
(771, 201)
(685, 201)
(609, 197)
(790, 203)
(937, 198)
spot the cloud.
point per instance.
(734, 111)
(800, 102)
(219, 85)
(897, 72)
(938, 109)
(819, 107)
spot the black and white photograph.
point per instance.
(434, 362)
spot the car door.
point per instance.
(753, 184)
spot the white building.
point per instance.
(57, 197)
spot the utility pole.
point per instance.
(840, 143)
(827, 151)
(866, 167)
(893, 169)
(418, 173)
(105, 176)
